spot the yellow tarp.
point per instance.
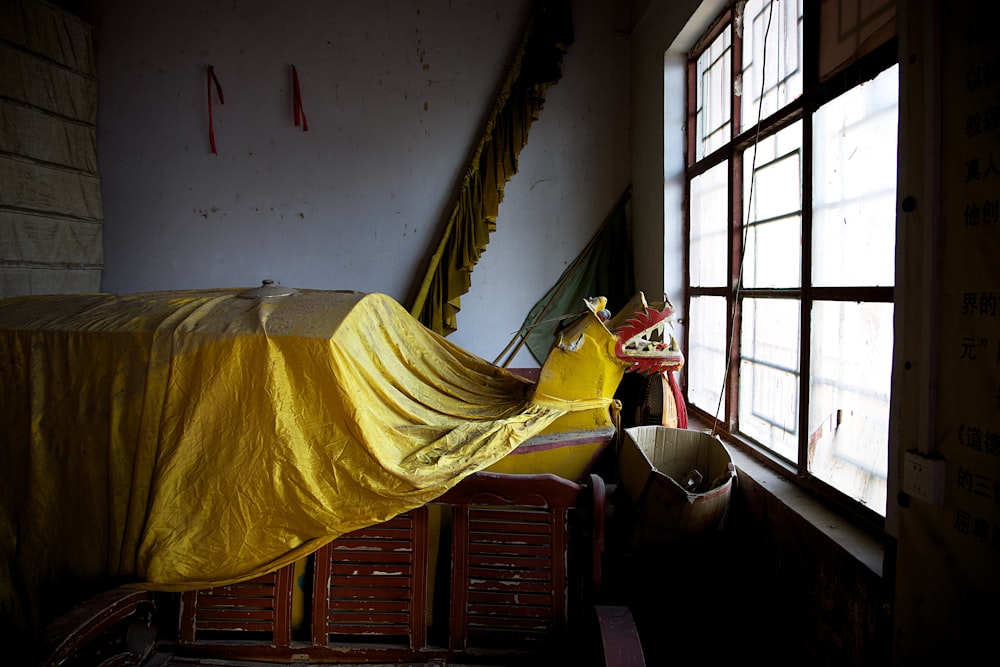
(183, 439)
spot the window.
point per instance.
(791, 179)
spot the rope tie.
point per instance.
(300, 114)
(212, 79)
(571, 405)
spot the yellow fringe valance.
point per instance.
(536, 65)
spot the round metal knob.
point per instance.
(267, 290)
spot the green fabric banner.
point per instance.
(603, 268)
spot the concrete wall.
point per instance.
(395, 94)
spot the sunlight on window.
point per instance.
(774, 238)
(854, 190)
(781, 70)
(706, 363)
(715, 89)
(853, 244)
(851, 369)
(709, 228)
(791, 215)
(769, 374)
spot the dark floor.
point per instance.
(695, 600)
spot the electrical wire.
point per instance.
(746, 225)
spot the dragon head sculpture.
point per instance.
(644, 336)
(591, 354)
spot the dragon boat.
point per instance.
(586, 364)
(180, 440)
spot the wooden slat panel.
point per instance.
(509, 577)
(263, 587)
(373, 582)
(486, 625)
(528, 516)
(344, 594)
(365, 605)
(344, 630)
(513, 638)
(492, 566)
(207, 602)
(262, 605)
(347, 553)
(511, 611)
(540, 598)
(236, 619)
(512, 527)
(339, 618)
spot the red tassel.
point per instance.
(218, 88)
(675, 389)
(300, 114)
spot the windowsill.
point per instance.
(856, 541)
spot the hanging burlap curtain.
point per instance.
(472, 217)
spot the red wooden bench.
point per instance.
(524, 553)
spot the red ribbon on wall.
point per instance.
(300, 114)
(211, 130)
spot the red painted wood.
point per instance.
(373, 582)
(509, 555)
(262, 605)
(619, 637)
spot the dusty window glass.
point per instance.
(707, 354)
(854, 185)
(709, 216)
(849, 382)
(810, 326)
(770, 79)
(769, 374)
(715, 89)
(773, 252)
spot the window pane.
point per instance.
(772, 193)
(851, 28)
(851, 367)
(707, 348)
(778, 73)
(709, 224)
(854, 194)
(769, 374)
(715, 89)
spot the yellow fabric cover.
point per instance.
(536, 65)
(187, 439)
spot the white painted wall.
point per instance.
(395, 93)
(661, 36)
(572, 172)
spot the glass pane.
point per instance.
(706, 361)
(772, 194)
(848, 29)
(851, 368)
(769, 374)
(715, 89)
(709, 224)
(854, 194)
(772, 72)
